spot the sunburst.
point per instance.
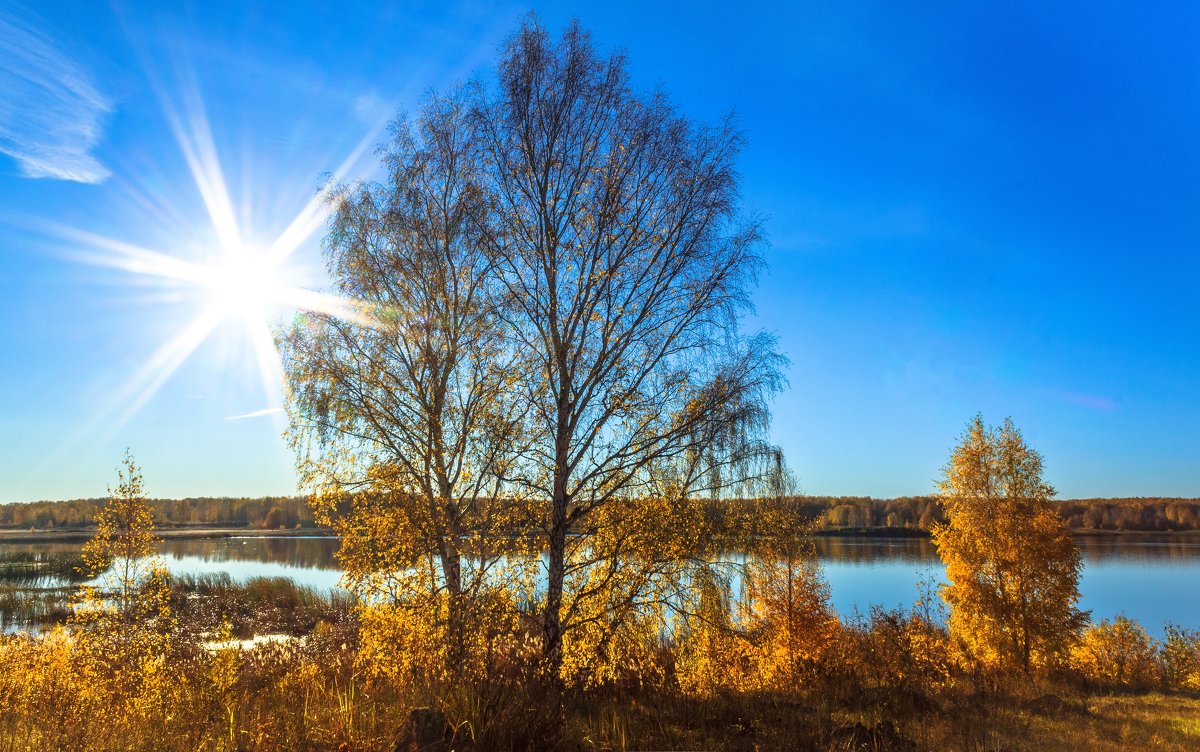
(236, 282)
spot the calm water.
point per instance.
(1152, 578)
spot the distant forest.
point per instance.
(830, 513)
(267, 513)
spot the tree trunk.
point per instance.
(556, 573)
(452, 574)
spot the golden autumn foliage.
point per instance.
(123, 616)
(788, 599)
(1181, 658)
(714, 654)
(311, 694)
(1012, 567)
(773, 633)
(411, 647)
(124, 538)
(1117, 653)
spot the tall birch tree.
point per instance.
(402, 417)
(627, 261)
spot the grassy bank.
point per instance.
(887, 682)
(306, 695)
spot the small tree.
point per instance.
(126, 606)
(1013, 569)
(789, 595)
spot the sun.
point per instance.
(242, 284)
(234, 280)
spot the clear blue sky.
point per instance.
(969, 209)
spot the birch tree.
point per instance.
(627, 261)
(402, 417)
(124, 612)
(1013, 570)
(555, 272)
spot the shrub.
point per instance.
(1181, 658)
(1117, 654)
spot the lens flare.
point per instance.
(247, 285)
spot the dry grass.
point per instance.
(881, 687)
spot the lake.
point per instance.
(1153, 578)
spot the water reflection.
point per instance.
(853, 549)
(307, 552)
(1130, 548)
(1150, 577)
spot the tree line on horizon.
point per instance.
(264, 513)
(826, 514)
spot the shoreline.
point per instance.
(13, 535)
(905, 532)
(25, 535)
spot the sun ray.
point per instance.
(267, 356)
(312, 217)
(346, 309)
(194, 137)
(146, 382)
(127, 257)
(136, 390)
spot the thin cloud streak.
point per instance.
(50, 112)
(1081, 399)
(256, 414)
(1090, 401)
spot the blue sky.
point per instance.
(969, 210)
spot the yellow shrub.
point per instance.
(409, 644)
(1181, 658)
(1117, 653)
(794, 622)
(626, 655)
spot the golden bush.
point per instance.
(1117, 653)
(712, 653)
(1181, 658)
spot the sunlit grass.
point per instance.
(311, 693)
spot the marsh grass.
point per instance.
(306, 695)
(260, 605)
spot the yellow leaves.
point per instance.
(794, 619)
(223, 673)
(714, 654)
(125, 618)
(626, 658)
(1117, 654)
(1012, 568)
(412, 646)
(55, 694)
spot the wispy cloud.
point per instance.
(1090, 401)
(256, 414)
(50, 112)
